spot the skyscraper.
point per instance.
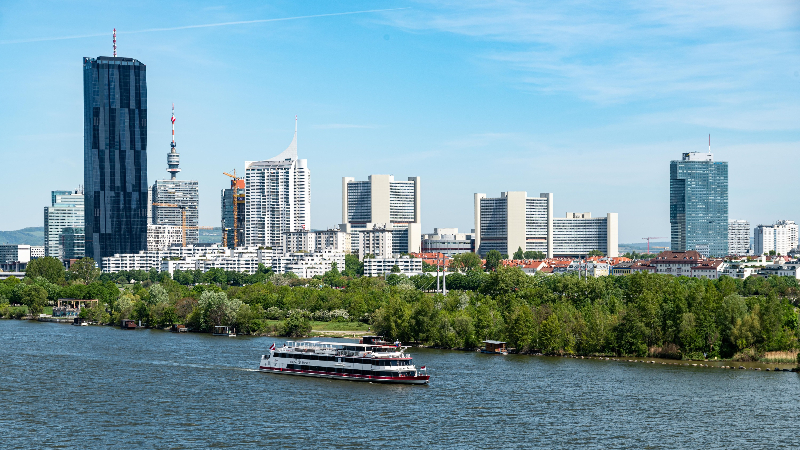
(738, 237)
(233, 213)
(64, 215)
(176, 202)
(115, 155)
(698, 204)
(278, 197)
(382, 201)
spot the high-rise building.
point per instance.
(780, 238)
(176, 202)
(698, 204)
(277, 197)
(115, 155)
(387, 204)
(515, 221)
(233, 213)
(65, 212)
(738, 237)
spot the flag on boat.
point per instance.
(272, 347)
(422, 368)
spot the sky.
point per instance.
(589, 101)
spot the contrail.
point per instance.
(207, 25)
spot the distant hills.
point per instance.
(28, 236)
(35, 236)
(641, 248)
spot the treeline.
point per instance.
(638, 314)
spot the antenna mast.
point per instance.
(709, 142)
(115, 42)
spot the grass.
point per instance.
(330, 326)
(787, 357)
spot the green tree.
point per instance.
(157, 295)
(48, 267)
(465, 262)
(395, 269)
(519, 328)
(530, 254)
(35, 298)
(519, 254)
(84, 271)
(353, 267)
(296, 325)
(493, 259)
(596, 253)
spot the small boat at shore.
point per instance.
(494, 348)
(366, 361)
(221, 330)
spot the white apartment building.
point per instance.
(317, 241)
(277, 197)
(738, 237)
(514, 221)
(65, 212)
(374, 267)
(448, 241)
(780, 237)
(307, 265)
(145, 260)
(162, 237)
(590, 268)
(383, 202)
(376, 241)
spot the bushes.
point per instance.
(295, 325)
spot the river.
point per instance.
(96, 387)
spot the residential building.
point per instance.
(676, 263)
(780, 237)
(590, 268)
(233, 213)
(782, 269)
(514, 220)
(386, 203)
(37, 251)
(738, 237)
(317, 241)
(115, 156)
(698, 204)
(65, 211)
(307, 265)
(374, 267)
(711, 269)
(162, 237)
(448, 241)
(377, 242)
(176, 202)
(277, 197)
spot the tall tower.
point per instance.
(115, 155)
(173, 158)
(698, 204)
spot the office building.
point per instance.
(382, 202)
(176, 202)
(277, 197)
(448, 241)
(738, 237)
(115, 155)
(514, 220)
(233, 213)
(73, 241)
(65, 212)
(780, 238)
(14, 257)
(698, 204)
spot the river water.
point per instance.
(97, 387)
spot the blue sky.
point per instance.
(581, 99)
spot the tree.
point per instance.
(395, 269)
(34, 297)
(352, 266)
(493, 260)
(465, 262)
(530, 254)
(296, 325)
(84, 271)
(596, 253)
(158, 295)
(48, 267)
(519, 254)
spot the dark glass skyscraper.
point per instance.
(698, 204)
(114, 155)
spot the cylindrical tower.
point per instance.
(173, 158)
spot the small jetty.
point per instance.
(221, 330)
(178, 328)
(494, 348)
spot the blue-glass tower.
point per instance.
(698, 204)
(114, 155)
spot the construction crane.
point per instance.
(237, 199)
(648, 242)
(184, 227)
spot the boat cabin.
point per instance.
(128, 324)
(222, 330)
(179, 328)
(494, 347)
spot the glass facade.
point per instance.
(536, 224)
(494, 224)
(698, 205)
(185, 194)
(359, 202)
(115, 156)
(65, 212)
(578, 237)
(401, 201)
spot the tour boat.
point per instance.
(370, 360)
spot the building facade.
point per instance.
(382, 202)
(278, 197)
(65, 212)
(317, 241)
(738, 237)
(233, 213)
(374, 267)
(781, 237)
(115, 156)
(162, 237)
(448, 241)
(514, 220)
(698, 204)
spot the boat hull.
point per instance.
(420, 379)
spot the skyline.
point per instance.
(470, 99)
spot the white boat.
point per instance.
(371, 360)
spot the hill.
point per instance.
(29, 236)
